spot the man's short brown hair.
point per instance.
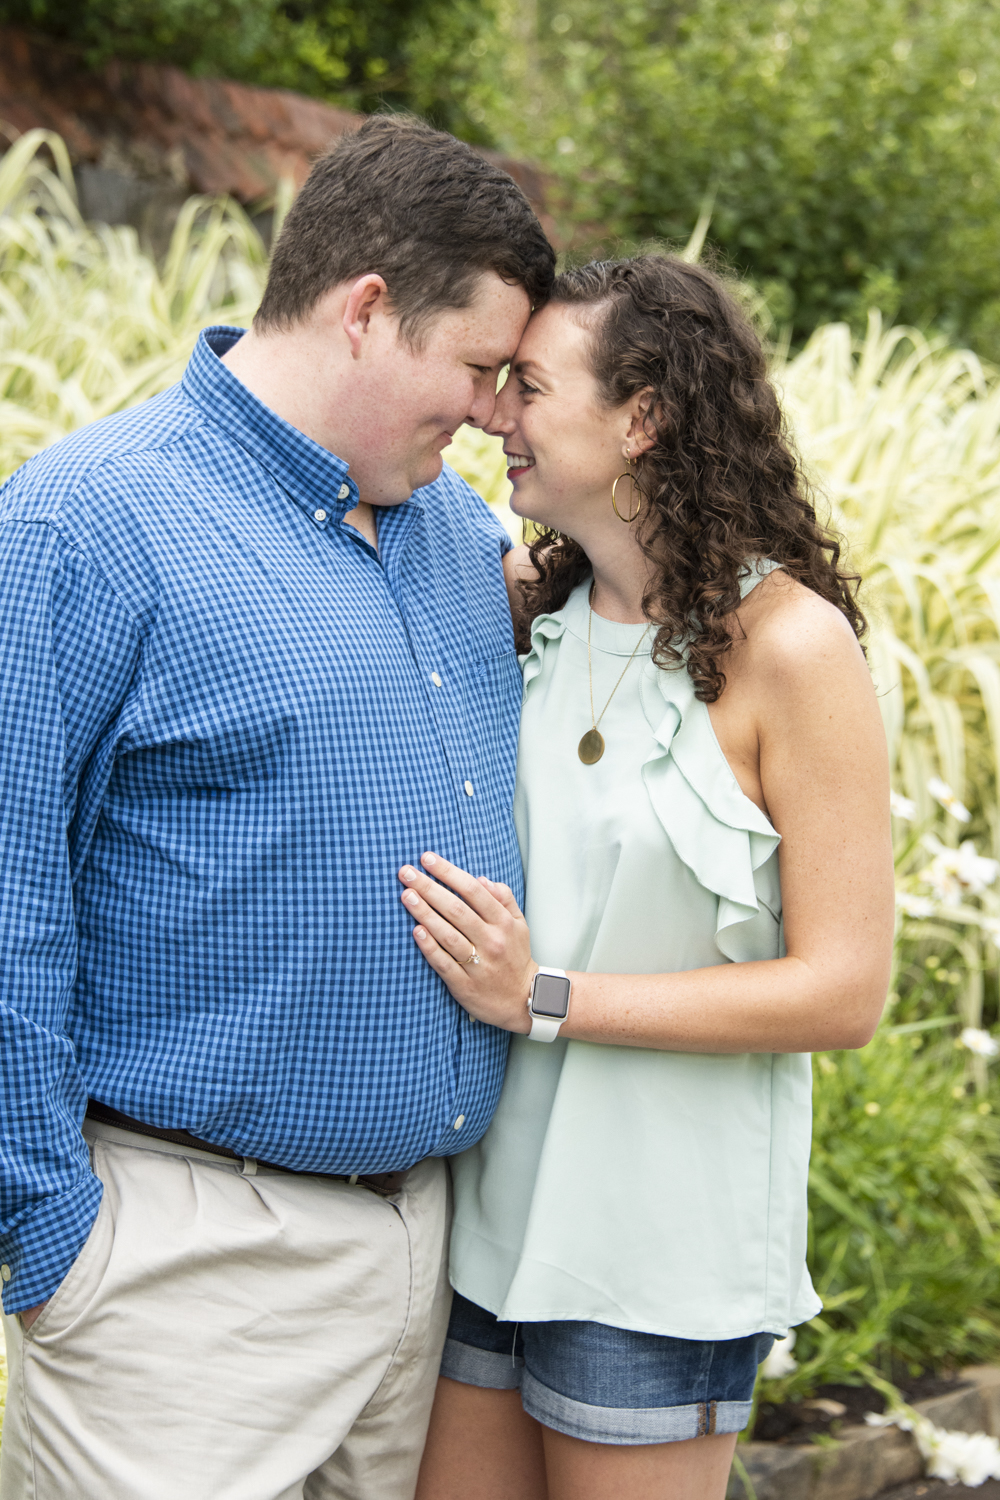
(418, 208)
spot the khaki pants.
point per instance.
(230, 1337)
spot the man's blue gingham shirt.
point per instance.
(226, 722)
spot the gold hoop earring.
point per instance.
(628, 474)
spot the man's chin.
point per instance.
(429, 470)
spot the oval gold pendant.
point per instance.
(591, 747)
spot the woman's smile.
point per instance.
(518, 464)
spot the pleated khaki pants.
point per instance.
(230, 1337)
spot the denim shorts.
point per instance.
(607, 1385)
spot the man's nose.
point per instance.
(500, 423)
(481, 411)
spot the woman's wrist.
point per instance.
(520, 1021)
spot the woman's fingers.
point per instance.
(453, 908)
(444, 934)
(503, 894)
(439, 959)
(472, 892)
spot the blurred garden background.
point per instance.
(844, 162)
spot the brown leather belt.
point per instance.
(383, 1183)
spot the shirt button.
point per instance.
(459, 1122)
(436, 679)
(343, 492)
(5, 1270)
(468, 788)
(319, 515)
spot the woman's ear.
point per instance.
(641, 432)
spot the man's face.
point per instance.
(417, 398)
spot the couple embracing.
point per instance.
(274, 986)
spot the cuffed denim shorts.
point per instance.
(607, 1385)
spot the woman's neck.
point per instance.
(619, 584)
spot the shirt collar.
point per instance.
(314, 478)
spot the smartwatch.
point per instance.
(548, 1004)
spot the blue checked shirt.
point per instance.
(226, 723)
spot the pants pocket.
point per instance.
(73, 1293)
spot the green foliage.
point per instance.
(88, 324)
(852, 151)
(413, 54)
(203, 36)
(904, 1215)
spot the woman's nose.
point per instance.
(501, 423)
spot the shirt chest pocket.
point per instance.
(494, 718)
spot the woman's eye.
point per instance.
(527, 390)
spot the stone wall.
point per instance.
(143, 137)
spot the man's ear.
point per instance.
(366, 295)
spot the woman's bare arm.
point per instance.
(517, 565)
(824, 778)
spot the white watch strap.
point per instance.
(546, 1028)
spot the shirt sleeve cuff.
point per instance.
(36, 1254)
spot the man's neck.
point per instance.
(362, 518)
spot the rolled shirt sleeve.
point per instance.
(68, 652)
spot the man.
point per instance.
(245, 676)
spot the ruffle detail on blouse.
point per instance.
(723, 838)
(717, 832)
(544, 628)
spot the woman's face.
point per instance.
(564, 446)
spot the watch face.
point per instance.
(550, 996)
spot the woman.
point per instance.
(702, 807)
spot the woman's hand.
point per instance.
(473, 919)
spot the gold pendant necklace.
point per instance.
(591, 746)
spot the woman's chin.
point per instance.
(523, 506)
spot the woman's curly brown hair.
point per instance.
(720, 484)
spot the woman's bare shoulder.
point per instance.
(790, 631)
(517, 564)
(517, 568)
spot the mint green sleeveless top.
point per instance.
(658, 1191)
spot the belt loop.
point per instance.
(353, 1181)
(248, 1167)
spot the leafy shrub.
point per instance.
(851, 152)
(413, 54)
(904, 1215)
(199, 35)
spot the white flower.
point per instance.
(991, 926)
(780, 1362)
(889, 1419)
(902, 807)
(979, 1042)
(914, 906)
(942, 792)
(955, 873)
(971, 1457)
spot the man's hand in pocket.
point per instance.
(29, 1314)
